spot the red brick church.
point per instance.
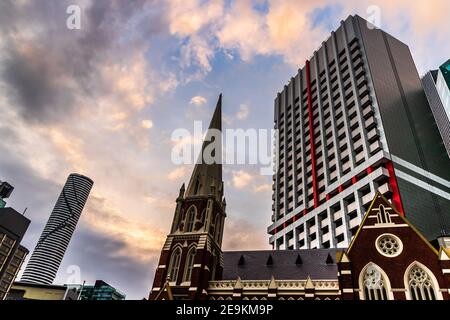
(388, 259)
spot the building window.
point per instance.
(174, 265)
(190, 217)
(389, 245)
(383, 215)
(189, 264)
(421, 284)
(374, 283)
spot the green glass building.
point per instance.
(101, 291)
(5, 191)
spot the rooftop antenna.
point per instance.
(81, 290)
(24, 211)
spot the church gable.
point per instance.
(387, 243)
(382, 229)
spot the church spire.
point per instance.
(206, 177)
(199, 217)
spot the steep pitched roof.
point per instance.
(283, 264)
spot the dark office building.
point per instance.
(13, 226)
(355, 120)
(5, 191)
(101, 291)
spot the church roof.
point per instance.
(318, 264)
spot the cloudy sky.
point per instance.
(104, 100)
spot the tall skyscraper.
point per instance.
(13, 226)
(437, 88)
(355, 120)
(51, 247)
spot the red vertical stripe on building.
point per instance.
(311, 136)
(397, 201)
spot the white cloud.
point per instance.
(198, 100)
(147, 124)
(169, 84)
(178, 173)
(287, 28)
(196, 55)
(188, 17)
(241, 179)
(244, 111)
(265, 187)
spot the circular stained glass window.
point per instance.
(389, 245)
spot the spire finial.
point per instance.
(209, 171)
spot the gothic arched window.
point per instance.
(420, 283)
(374, 282)
(190, 217)
(189, 264)
(174, 265)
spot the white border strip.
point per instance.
(420, 183)
(421, 171)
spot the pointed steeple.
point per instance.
(206, 177)
(329, 259)
(309, 284)
(269, 260)
(241, 261)
(216, 121)
(181, 193)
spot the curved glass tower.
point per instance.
(49, 252)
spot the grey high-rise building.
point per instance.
(13, 226)
(354, 120)
(52, 245)
(437, 88)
